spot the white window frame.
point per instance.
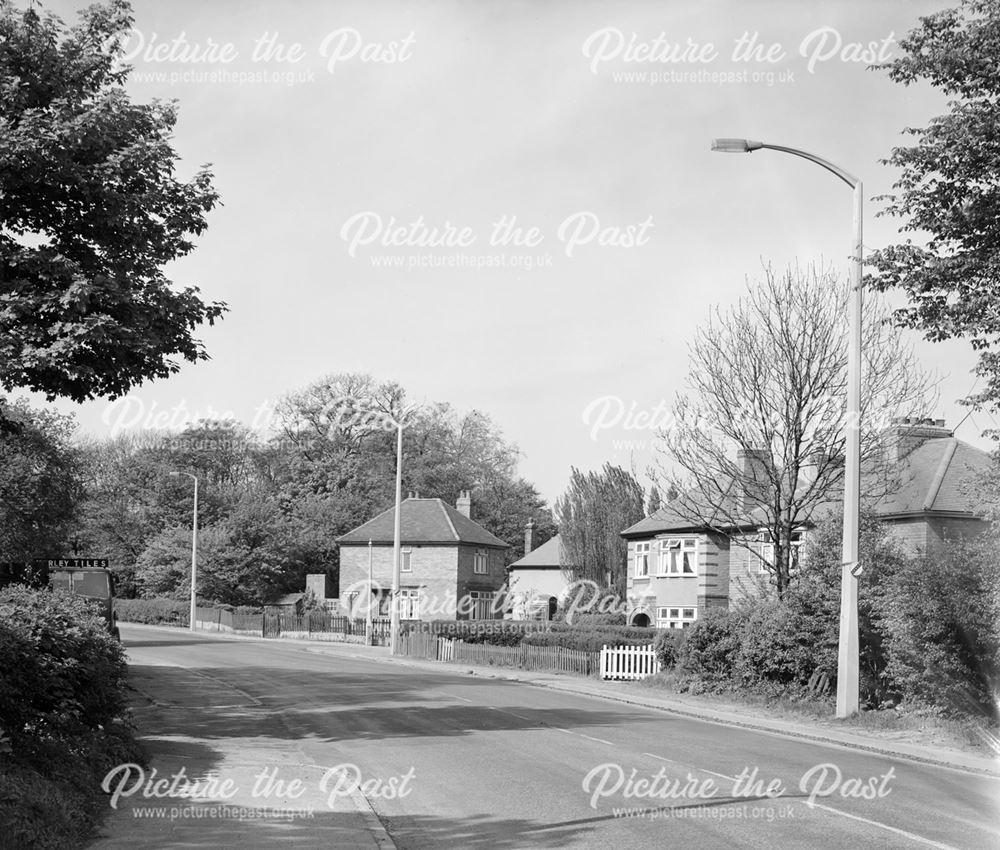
(675, 616)
(482, 604)
(405, 555)
(671, 560)
(481, 562)
(408, 601)
(642, 558)
(762, 549)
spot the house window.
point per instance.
(409, 603)
(482, 605)
(678, 557)
(762, 556)
(481, 562)
(675, 618)
(641, 559)
(404, 560)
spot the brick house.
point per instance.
(538, 582)
(676, 570)
(446, 559)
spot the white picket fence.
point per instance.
(628, 662)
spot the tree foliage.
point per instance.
(90, 212)
(591, 515)
(949, 188)
(39, 482)
(271, 508)
(758, 442)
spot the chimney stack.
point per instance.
(754, 479)
(529, 536)
(907, 434)
(464, 503)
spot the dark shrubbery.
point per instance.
(705, 657)
(589, 621)
(590, 640)
(939, 625)
(778, 649)
(63, 710)
(496, 632)
(667, 647)
(157, 611)
(929, 629)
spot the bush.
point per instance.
(590, 621)
(496, 632)
(63, 709)
(156, 611)
(667, 646)
(777, 649)
(643, 633)
(586, 640)
(705, 656)
(940, 628)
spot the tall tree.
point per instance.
(591, 515)
(758, 442)
(39, 482)
(948, 189)
(90, 212)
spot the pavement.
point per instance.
(495, 765)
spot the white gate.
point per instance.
(628, 662)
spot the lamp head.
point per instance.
(735, 145)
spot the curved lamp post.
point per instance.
(194, 550)
(847, 660)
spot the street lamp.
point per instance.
(194, 549)
(369, 624)
(847, 659)
(394, 613)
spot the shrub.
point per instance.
(586, 640)
(589, 621)
(496, 632)
(705, 656)
(63, 709)
(778, 649)
(156, 611)
(667, 646)
(938, 620)
(645, 633)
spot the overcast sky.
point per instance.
(469, 117)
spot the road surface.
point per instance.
(449, 760)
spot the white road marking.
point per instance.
(599, 740)
(912, 836)
(455, 696)
(513, 714)
(684, 764)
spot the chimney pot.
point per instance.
(529, 536)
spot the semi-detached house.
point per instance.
(677, 569)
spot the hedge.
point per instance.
(63, 717)
(497, 632)
(587, 640)
(156, 611)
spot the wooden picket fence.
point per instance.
(628, 662)
(522, 657)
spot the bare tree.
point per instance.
(757, 445)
